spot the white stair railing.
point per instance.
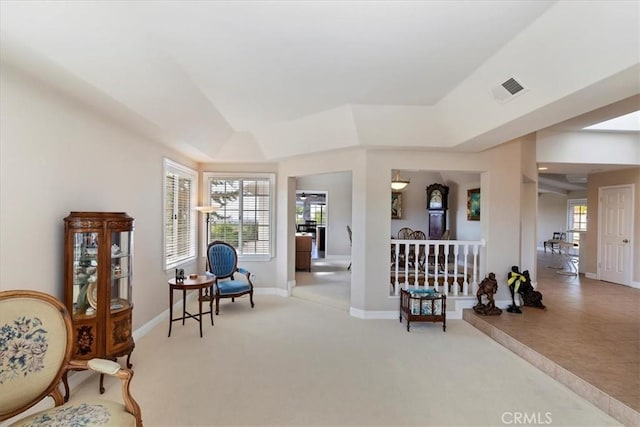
(448, 266)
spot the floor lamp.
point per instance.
(207, 210)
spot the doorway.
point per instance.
(311, 218)
(615, 228)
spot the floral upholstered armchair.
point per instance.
(35, 353)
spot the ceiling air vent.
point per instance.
(508, 90)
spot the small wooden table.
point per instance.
(420, 306)
(199, 283)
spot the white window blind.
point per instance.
(179, 214)
(243, 212)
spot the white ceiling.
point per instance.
(271, 79)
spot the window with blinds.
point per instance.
(243, 212)
(179, 214)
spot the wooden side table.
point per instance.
(199, 283)
(419, 306)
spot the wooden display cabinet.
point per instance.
(98, 272)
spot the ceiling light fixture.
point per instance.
(303, 196)
(398, 183)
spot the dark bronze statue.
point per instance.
(488, 287)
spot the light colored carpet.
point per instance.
(295, 362)
(328, 282)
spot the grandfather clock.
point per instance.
(437, 205)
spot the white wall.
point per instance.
(461, 227)
(414, 201)
(595, 147)
(59, 156)
(552, 216)
(415, 214)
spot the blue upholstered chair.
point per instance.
(36, 343)
(222, 262)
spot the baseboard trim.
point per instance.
(271, 291)
(460, 304)
(594, 276)
(373, 314)
(162, 317)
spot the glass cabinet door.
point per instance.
(121, 269)
(85, 274)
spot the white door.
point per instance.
(615, 229)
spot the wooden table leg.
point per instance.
(170, 309)
(200, 310)
(184, 304)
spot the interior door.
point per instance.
(615, 225)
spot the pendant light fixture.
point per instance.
(398, 183)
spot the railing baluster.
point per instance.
(396, 266)
(474, 286)
(465, 283)
(456, 251)
(431, 259)
(436, 253)
(416, 280)
(446, 268)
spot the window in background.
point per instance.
(317, 211)
(179, 215)
(311, 207)
(576, 219)
(243, 212)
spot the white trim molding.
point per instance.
(272, 291)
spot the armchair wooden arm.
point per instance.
(41, 327)
(111, 368)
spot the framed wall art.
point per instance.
(473, 204)
(396, 205)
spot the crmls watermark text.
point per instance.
(528, 418)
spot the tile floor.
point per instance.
(588, 338)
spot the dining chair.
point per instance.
(405, 233)
(554, 242)
(36, 349)
(418, 235)
(222, 262)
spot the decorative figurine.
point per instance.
(530, 296)
(116, 270)
(179, 275)
(488, 287)
(514, 280)
(521, 284)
